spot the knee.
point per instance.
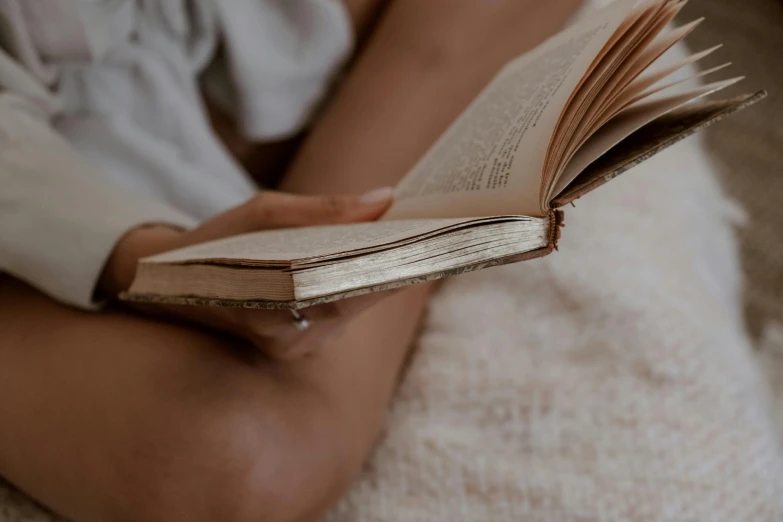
(242, 461)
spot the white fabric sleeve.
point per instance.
(59, 218)
(278, 60)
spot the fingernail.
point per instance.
(375, 196)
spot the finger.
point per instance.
(271, 209)
(278, 210)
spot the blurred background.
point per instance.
(747, 149)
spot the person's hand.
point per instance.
(272, 331)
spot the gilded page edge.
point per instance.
(556, 222)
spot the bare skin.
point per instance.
(115, 416)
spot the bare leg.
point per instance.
(423, 64)
(114, 417)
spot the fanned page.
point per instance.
(631, 38)
(490, 161)
(630, 120)
(624, 93)
(626, 65)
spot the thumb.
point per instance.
(278, 210)
(270, 209)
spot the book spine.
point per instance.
(557, 221)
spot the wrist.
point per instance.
(139, 242)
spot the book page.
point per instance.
(490, 160)
(649, 52)
(643, 85)
(634, 30)
(627, 99)
(620, 104)
(633, 69)
(291, 244)
(665, 68)
(625, 123)
(637, 92)
(652, 47)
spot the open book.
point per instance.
(553, 124)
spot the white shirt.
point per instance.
(102, 125)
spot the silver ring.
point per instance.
(301, 323)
